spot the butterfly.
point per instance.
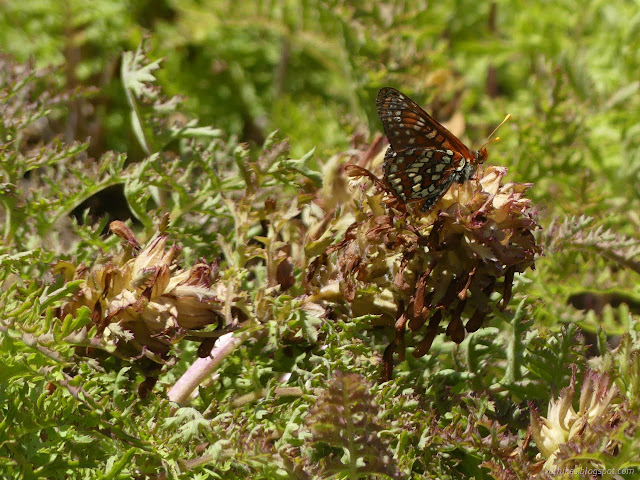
(424, 158)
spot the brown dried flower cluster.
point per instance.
(426, 268)
(140, 301)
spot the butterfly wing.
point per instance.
(408, 126)
(419, 174)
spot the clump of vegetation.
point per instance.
(598, 426)
(190, 295)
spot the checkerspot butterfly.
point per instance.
(424, 158)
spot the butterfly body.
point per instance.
(423, 158)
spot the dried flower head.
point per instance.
(425, 268)
(141, 302)
(596, 415)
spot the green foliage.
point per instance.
(343, 419)
(182, 125)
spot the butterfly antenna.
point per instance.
(497, 139)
